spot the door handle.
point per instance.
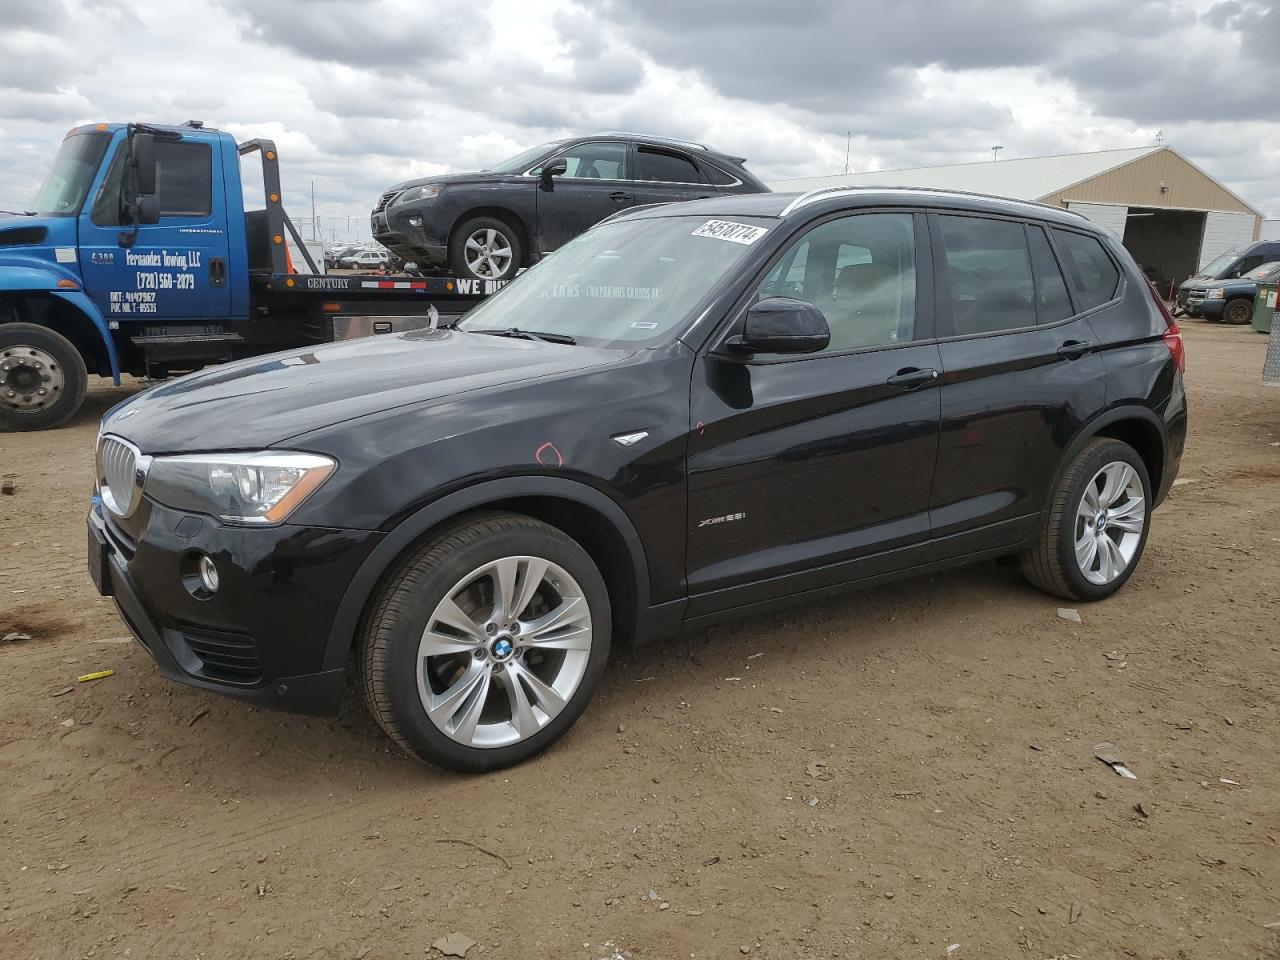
(619, 196)
(912, 378)
(1074, 349)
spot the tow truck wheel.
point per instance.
(1238, 311)
(42, 377)
(485, 248)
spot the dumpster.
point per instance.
(1264, 306)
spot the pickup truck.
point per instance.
(140, 257)
(1229, 299)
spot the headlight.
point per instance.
(247, 488)
(1214, 293)
(419, 193)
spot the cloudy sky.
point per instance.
(360, 94)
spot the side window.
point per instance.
(989, 271)
(184, 183)
(666, 167)
(1094, 277)
(594, 161)
(184, 179)
(1052, 302)
(860, 272)
(1247, 264)
(717, 176)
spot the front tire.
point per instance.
(486, 644)
(1097, 525)
(42, 378)
(485, 248)
(1238, 311)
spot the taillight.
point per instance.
(1172, 335)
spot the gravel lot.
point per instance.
(886, 775)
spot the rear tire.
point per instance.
(1238, 311)
(485, 248)
(486, 643)
(34, 359)
(1078, 556)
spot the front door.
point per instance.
(176, 268)
(595, 184)
(810, 471)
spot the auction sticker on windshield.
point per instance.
(742, 233)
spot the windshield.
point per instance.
(1217, 265)
(521, 160)
(74, 166)
(624, 283)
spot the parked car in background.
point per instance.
(333, 255)
(1228, 266)
(1229, 300)
(366, 260)
(488, 225)
(883, 382)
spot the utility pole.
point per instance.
(995, 152)
(848, 142)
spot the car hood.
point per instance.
(257, 403)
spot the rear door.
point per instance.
(1022, 372)
(596, 183)
(807, 471)
(175, 269)
(665, 175)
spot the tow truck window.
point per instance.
(73, 170)
(184, 183)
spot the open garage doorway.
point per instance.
(1166, 244)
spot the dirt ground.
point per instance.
(886, 775)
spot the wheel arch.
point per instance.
(71, 314)
(590, 517)
(1137, 426)
(507, 216)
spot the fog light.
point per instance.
(415, 221)
(208, 574)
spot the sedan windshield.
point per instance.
(74, 166)
(524, 159)
(624, 283)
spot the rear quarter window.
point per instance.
(1093, 275)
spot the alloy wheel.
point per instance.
(504, 652)
(1109, 523)
(488, 253)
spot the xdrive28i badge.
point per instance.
(727, 518)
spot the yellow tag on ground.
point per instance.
(95, 676)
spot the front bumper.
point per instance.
(423, 245)
(1204, 307)
(262, 637)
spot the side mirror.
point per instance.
(782, 325)
(148, 208)
(556, 168)
(143, 155)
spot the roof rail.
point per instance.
(648, 136)
(824, 192)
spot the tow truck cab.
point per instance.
(139, 257)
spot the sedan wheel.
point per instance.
(486, 644)
(1109, 523)
(504, 651)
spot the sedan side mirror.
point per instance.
(782, 325)
(556, 168)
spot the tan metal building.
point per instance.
(1169, 213)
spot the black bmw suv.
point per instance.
(488, 225)
(688, 412)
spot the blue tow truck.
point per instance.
(140, 257)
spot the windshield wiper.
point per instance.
(529, 335)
